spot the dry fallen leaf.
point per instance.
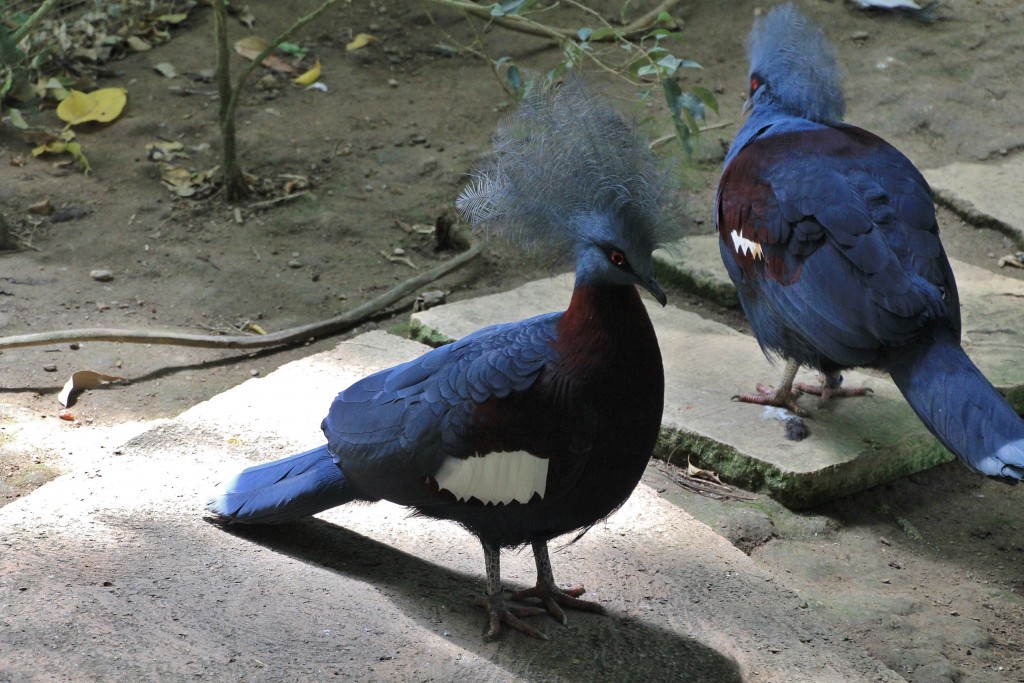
(82, 380)
(165, 151)
(166, 69)
(41, 208)
(360, 40)
(697, 473)
(247, 17)
(138, 44)
(186, 183)
(251, 46)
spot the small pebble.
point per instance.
(74, 346)
(101, 275)
(294, 263)
(50, 368)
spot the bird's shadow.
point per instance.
(611, 647)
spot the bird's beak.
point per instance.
(652, 286)
(748, 104)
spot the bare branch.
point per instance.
(295, 335)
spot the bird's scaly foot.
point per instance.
(501, 612)
(766, 396)
(554, 599)
(831, 387)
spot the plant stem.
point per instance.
(234, 181)
(33, 21)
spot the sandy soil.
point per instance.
(923, 573)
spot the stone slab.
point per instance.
(987, 194)
(853, 445)
(109, 572)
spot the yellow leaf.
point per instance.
(173, 18)
(101, 105)
(361, 40)
(310, 77)
(61, 147)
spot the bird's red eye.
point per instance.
(617, 257)
(754, 84)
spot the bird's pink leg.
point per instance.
(831, 387)
(551, 596)
(783, 397)
(498, 609)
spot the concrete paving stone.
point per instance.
(110, 569)
(986, 193)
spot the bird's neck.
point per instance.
(603, 321)
(768, 120)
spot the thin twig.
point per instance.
(294, 335)
(278, 200)
(523, 25)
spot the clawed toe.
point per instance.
(501, 612)
(767, 396)
(554, 599)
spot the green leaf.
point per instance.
(665, 18)
(510, 7)
(293, 49)
(706, 97)
(16, 119)
(602, 33)
(673, 97)
(670, 64)
(515, 80)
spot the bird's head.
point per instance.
(793, 68)
(569, 177)
(609, 252)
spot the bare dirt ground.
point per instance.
(924, 573)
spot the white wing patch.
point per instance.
(498, 478)
(746, 247)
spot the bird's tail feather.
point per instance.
(959, 406)
(283, 490)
